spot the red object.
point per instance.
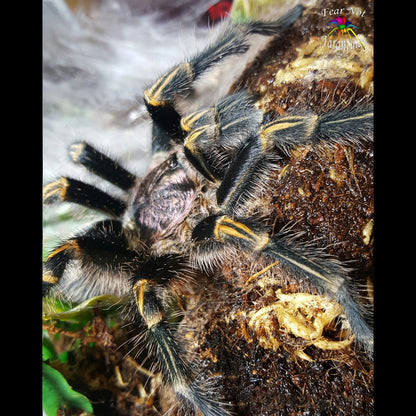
(219, 10)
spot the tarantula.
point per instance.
(190, 212)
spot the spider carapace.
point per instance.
(191, 212)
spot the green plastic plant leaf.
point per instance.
(81, 312)
(48, 353)
(56, 393)
(48, 350)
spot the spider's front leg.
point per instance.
(160, 98)
(215, 134)
(349, 126)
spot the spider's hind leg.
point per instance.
(102, 248)
(150, 282)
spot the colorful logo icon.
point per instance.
(343, 26)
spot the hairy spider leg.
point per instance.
(101, 165)
(227, 127)
(233, 111)
(160, 97)
(303, 260)
(103, 237)
(216, 134)
(246, 176)
(103, 245)
(177, 372)
(351, 126)
(72, 190)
